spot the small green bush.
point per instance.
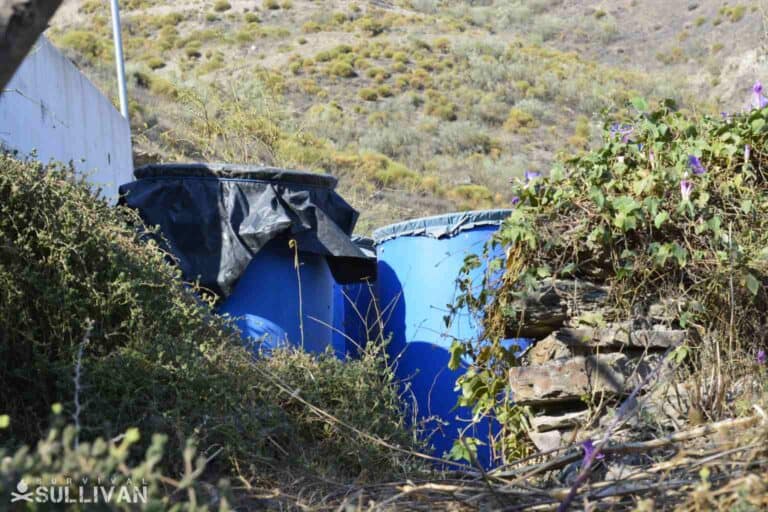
(371, 26)
(85, 43)
(271, 4)
(342, 69)
(311, 27)
(400, 57)
(519, 121)
(221, 5)
(252, 17)
(156, 63)
(734, 13)
(384, 91)
(368, 94)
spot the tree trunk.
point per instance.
(21, 23)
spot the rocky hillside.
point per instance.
(419, 106)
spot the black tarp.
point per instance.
(216, 217)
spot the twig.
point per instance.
(78, 373)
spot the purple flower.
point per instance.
(589, 452)
(725, 115)
(758, 100)
(762, 357)
(747, 152)
(686, 187)
(515, 200)
(622, 130)
(531, 175)
(696, 166)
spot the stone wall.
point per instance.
(575, 373)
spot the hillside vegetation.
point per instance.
(419, 107)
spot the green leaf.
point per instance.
(757, 125)
(640, 104)
(660, 219)
(680, 253)
(680, 353)
(5, 421)
(625, 204)
(132, 435)
(753, 284)
(457, 352)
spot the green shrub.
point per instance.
(251, 17)
(58, 458)
(221, 5)
(156, 63)
(374, 72)
(371, 26)
(734, 13)
(400, 57)
(311, 27)
(472, 196)
(368, 94)
(271, 4)
(86, 43)
(384, 91)
(668, 215)
(519, 121)
(439, 106)
(342, 69)
(399, 67)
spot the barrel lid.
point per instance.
(235, 171)
(441, 226)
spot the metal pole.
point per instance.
(118, 38)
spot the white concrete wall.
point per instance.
(50, 107)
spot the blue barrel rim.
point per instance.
(243, 172)
(442, 226)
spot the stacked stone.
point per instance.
(573, 364)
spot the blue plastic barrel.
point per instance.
(273, 302)
(355, 316)
(419, 263)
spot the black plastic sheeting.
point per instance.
(216, 217)
(442, 226)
